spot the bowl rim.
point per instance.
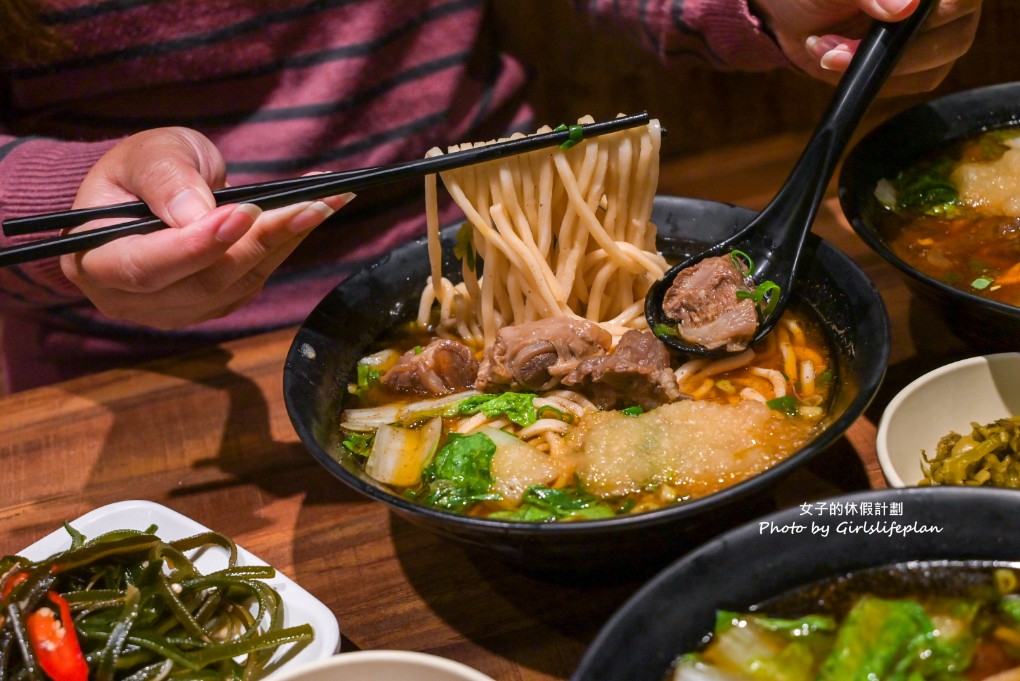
(697, 508)
(889, 413)
(409, 658)
(952, 110)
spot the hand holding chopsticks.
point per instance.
(276, 194)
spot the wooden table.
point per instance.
(208, 435)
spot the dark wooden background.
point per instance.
(581, 68)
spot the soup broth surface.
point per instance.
(955, 215)
(575, 461)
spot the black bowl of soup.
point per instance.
(838, 307)
(849, 581)
(935, 191)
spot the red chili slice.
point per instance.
(54, 640)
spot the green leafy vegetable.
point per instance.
(878, 639)
(541, 504)
(358, 443)
(801, 626)
(460, 474)
(1010, 607)
(889, 639)
(927, 189)
(518, 407)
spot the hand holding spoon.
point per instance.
(772, 242)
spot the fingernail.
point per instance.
(312, 216)
(818, 45)
(187, 206)
(894, 6)
(836, 59)
(237, 223)
(339, 201)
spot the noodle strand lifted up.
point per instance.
(560, 233)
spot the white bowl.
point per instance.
(299, 606)
(382, 665)
(950, 398)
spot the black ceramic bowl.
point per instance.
(756, 562)
(899, 142)
(330, 342)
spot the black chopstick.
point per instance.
(47, 222)
(280, 193)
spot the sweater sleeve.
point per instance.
(40, 175)
(723, 33)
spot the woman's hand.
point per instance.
(820, 36)
(211, 261)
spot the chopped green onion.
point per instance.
(742, 261)
(417, 349)
(367, 377)
(665, 330)
(576, 135)
(763, 292)
(785, 404)
(636, 410)
(464, 249)
(981, 283)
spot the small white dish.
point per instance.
(950, 398)
(299, 606)
(382, 665)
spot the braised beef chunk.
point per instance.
(703, 299)
(442, 367)
(536, 355)
(637, 371)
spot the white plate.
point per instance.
(299, 606)
(950, 398)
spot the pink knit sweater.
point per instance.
(282, 87)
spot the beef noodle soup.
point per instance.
(533, 390)
(918, 621)
(955, 215)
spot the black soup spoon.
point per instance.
(774, 239)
